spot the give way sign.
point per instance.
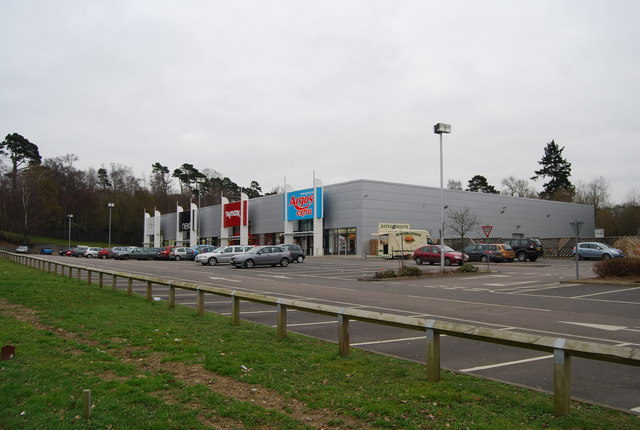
(487, 229)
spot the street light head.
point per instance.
(70, 216)
(440, 128)
(111, 205)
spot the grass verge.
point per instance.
(149, 367)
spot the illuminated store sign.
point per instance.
(300, 204)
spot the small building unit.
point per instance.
(342, 218)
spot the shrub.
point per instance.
(410, 271)
(467, 268)
(385, 274)
(618, 268)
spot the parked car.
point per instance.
(143, 253)
(46, 250)
(431, 254)
(297, 254)
(120, 250)
(181, 253)
(267, 255)
(65, 252)
(164, 253)
(484, 252)
(529, 248)
(507, 251)
(105, 253)
(199, 249)
(22, 249)
(77, 251)
(595, 250)
(91, 252)
(222, 254)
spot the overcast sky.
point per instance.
(262, 90)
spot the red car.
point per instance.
(105, 253)
(164, 254)
(431, 254)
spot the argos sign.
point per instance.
(300, 204)
(234, 215)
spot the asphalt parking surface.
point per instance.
(540, 297)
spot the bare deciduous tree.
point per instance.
(462, 221)
(512, 186)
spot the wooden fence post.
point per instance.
(561, 379)
(343, 334)
(129, 286)
(433, 353)
(89, 277)
(149, 291)
(100, 279)
(282, 321)
(86, 404)
(114, 280)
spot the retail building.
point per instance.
(342, 218)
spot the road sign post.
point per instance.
(487, 231)
(577, 226)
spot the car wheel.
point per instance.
(484, 259)
(126, 257)
(104, 257)
(249, 264)
(418, 261)
(522, 256)
(300, 258)
(284, 262)
(178, 258)
(89, 256)
(447, 262)
(212, 261)
(606, 257)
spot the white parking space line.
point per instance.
(636, 409)
(509, 284)
(605, 292)
(520, 290)
(507, 363)
(376, 342)
(481, 303)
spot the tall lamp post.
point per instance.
(70, 216)
(110, 205)
(441, 128)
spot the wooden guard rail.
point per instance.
(562, 349)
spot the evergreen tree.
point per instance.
(558, 170)
(479, 184)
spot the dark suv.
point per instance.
(529, 248)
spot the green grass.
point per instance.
(86, 332)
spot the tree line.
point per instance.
(37, 196)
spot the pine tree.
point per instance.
(558, 170)
(480, 184)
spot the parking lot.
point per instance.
(539, 297)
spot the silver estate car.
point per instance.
(221, 255)
(268, 255)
